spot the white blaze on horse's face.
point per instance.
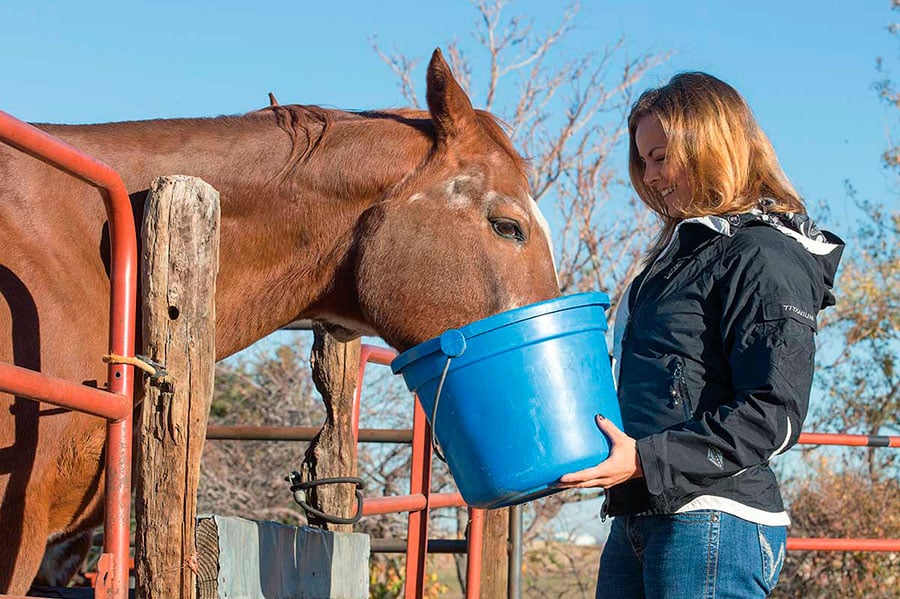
(469, 245)
(458, 238)
(545, 227)
(535, 217)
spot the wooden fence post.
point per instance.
(180, 241)
(335, 367)
(495, 554)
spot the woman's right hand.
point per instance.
(622, 464)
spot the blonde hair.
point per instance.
(713, 137)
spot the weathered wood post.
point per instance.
(180, 240)
(495, 554)
(335, 367)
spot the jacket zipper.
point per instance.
(675, 387)
(669, 273)
(604, 509)
(678, 390)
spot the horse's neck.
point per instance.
(286, 223)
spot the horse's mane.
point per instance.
(310, 122)
(308, 125)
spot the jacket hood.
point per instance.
(826, 247)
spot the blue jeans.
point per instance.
(703, 554)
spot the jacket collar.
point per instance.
(796, 226)
(826, 247)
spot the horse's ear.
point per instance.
(272, 100)
(449, 105)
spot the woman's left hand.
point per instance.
(622, 464)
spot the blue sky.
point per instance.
(806, 67)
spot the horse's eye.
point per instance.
(508, 228)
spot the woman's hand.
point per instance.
(621, 465)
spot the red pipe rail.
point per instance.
(115, 405)
(829, 544)
(390, 435)
(301, 433)
(848, 440)
(420, 498)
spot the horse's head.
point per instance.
(458, 239)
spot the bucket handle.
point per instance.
(453, 344)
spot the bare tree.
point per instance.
(862, 381)
(273, 387)
(854, 493)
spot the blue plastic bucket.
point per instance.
(517, 406)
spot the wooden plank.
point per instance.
(180, 241)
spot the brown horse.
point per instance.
(394, 223)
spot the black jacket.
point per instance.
(717, 359)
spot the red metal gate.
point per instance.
(115, 405)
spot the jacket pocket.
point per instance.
(678, 388)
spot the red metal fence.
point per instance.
(115, 405)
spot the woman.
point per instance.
(714, 351)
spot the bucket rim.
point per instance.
(502, 319)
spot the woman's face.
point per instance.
(670, 182)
